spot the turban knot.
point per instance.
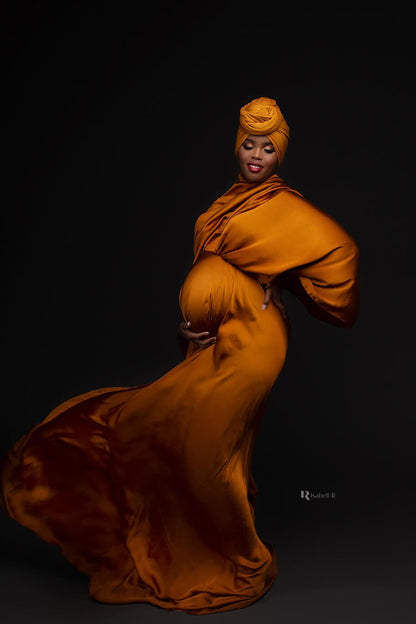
(263, 117)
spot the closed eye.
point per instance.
(268, 150)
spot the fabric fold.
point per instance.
(271, 230)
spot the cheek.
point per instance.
(272, 162)
(241, 162)
(240, 155)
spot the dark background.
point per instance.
(119, 128)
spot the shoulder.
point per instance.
(300, 215)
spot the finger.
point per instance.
(199, 336)
(282, 310)
(281, 307)
(203, 338)
(206, 343)
(203, 341)
(277, 290)
(183, 330)
(195, 337)
(267, 298)
(209, 340)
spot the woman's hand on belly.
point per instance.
(202, 339)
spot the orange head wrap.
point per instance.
(261, 117)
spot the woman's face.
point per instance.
(257, 158)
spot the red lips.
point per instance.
(254, 168)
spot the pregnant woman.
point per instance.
(148, 489)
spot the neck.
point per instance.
(241, 178)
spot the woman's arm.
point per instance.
(290, 238)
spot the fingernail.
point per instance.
(263, 307)
(206, 333)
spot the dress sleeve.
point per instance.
(313, 255)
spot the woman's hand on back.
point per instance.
(274, 293)
(202, 339)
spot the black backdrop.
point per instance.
(119, 124)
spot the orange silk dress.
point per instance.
(148, 489)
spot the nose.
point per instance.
(257, 153)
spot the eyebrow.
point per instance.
(253, 141)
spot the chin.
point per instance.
(253, 177)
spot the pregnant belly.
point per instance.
(207, 292)
(220, 298)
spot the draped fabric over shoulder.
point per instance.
(148, 489)
(286, 236)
